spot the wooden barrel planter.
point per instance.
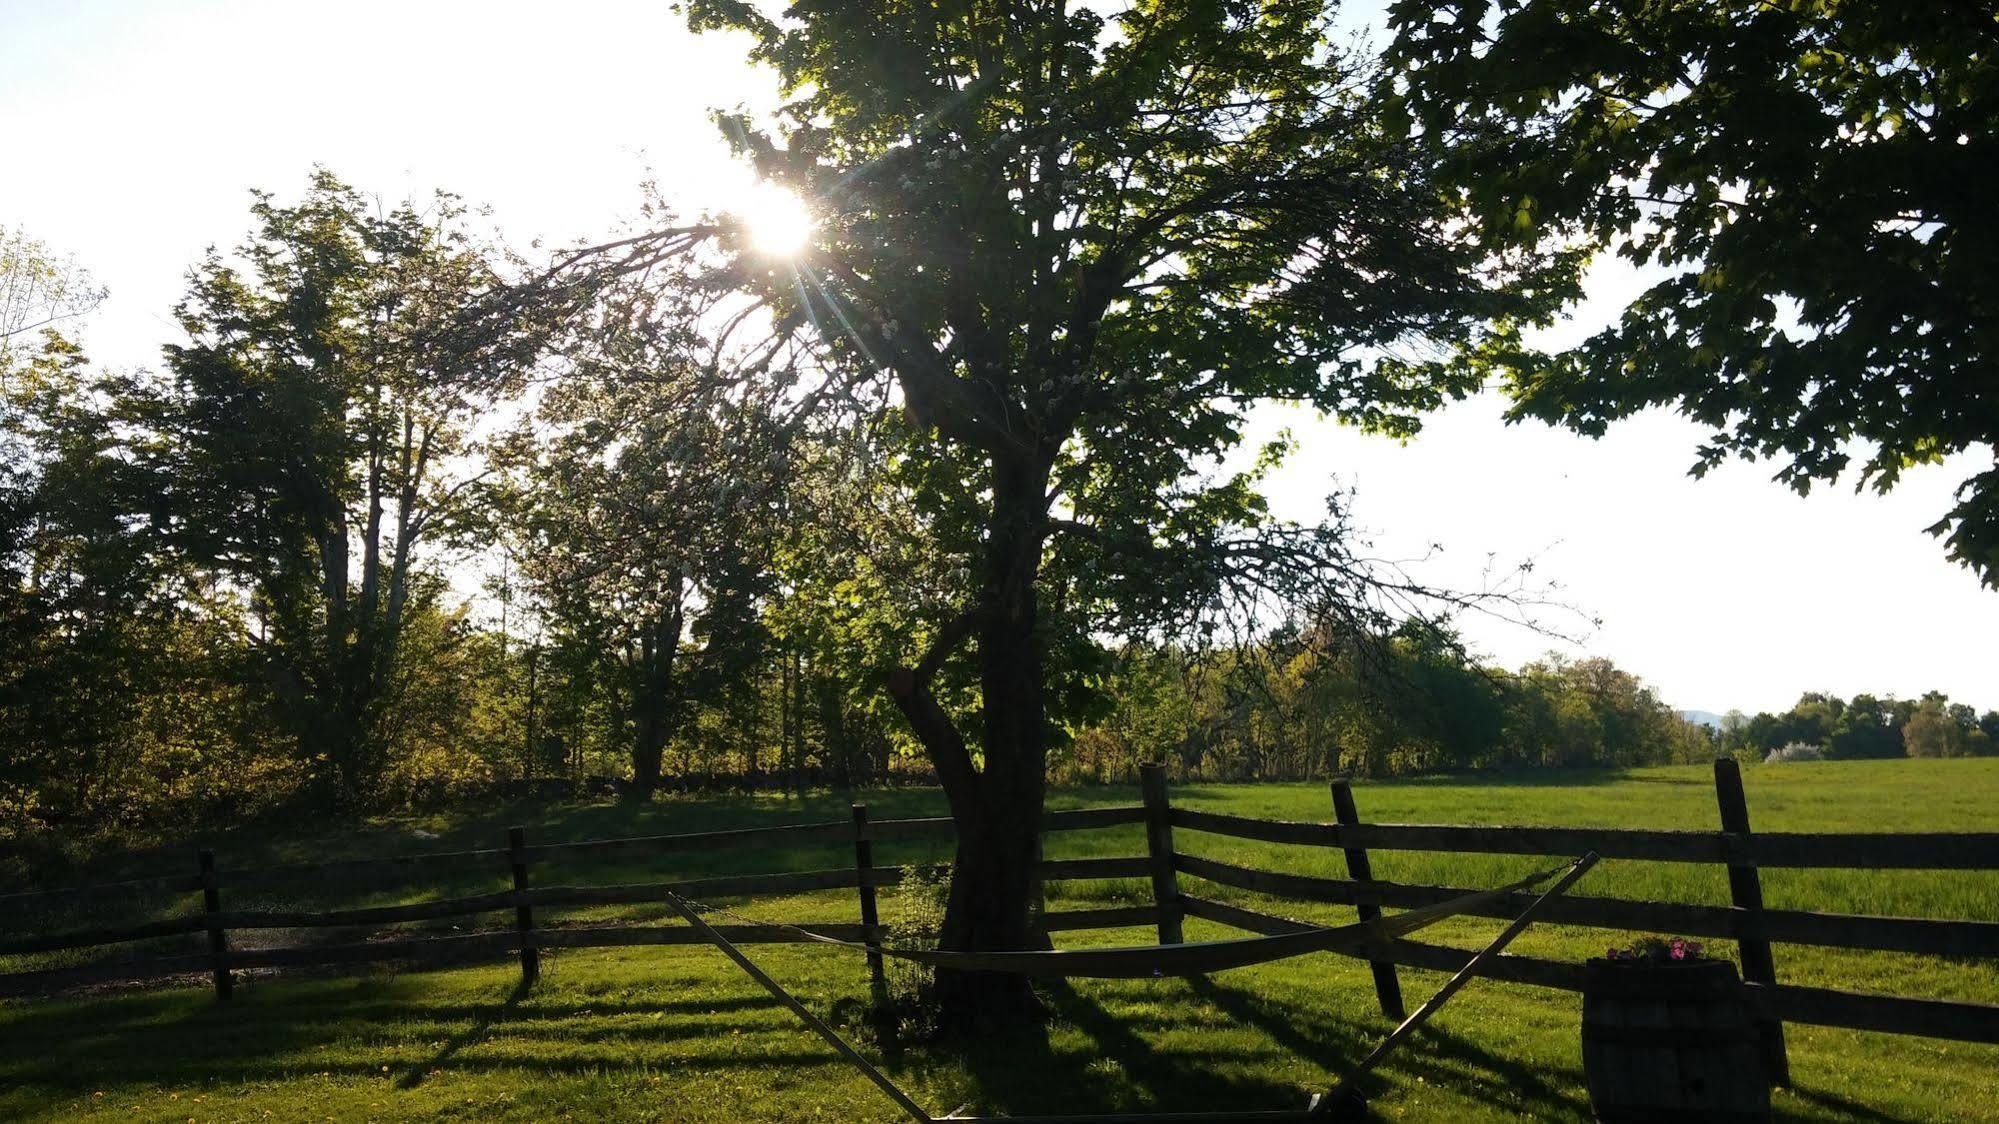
(1670, 1042)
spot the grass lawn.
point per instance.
(679, 1034)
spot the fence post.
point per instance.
(1745, 888)
(864, 872)
(218, 940)
(1159, 846)
(1387, 985)
(517, 843)
(1037, 895)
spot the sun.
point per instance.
(778, 222)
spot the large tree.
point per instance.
(1810, 185)
(312, 438)
(1075, 245)
(650, 505)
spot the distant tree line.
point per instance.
(1295, 710)
(1865, 727)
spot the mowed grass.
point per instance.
(679, 1034)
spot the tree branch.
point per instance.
(910, 688)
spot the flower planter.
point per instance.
(1670, 1041)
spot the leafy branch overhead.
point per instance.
(1084, 246)
(1808, 186)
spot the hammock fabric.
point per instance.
(1195, 958)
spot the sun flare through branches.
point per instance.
(777, 221)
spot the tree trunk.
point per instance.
(654, 700)
(648, 743)
(531, 744)
(988, 909)
(798, 778)
(839, 748)
(787, 715)
(998, 808)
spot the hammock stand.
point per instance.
(1343, 1101)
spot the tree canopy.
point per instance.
(1808, 184)
(39, 289)
(323, 403)
(650, 508)
(1080, 244)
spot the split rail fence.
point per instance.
(1746, 922)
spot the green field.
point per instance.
(678, 1034)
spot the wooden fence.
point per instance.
(516, 861)
(1746, 922)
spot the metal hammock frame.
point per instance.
(1159, 961)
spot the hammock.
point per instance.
(1197, 957)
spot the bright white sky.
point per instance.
(135, 127)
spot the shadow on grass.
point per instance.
(264, 1042)
(172, 1038)
(1153, 1055)
(1120, 1071)
(1434, 1055)
(138, 1010)
(1842, 1107)
(482, 1024)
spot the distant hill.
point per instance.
(1706, 718)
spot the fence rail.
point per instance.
(1829, 930)
(1747, 921)
(1824, 851)
(1165, 865)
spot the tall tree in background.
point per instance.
(1080, 245)
(1932, 730)
(1866, 729)
(319, 411)
(651, 508)
(117, 675)
(1813, 179)
(861, 571)
(39, 289)
(83, 621)
(70, 574)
